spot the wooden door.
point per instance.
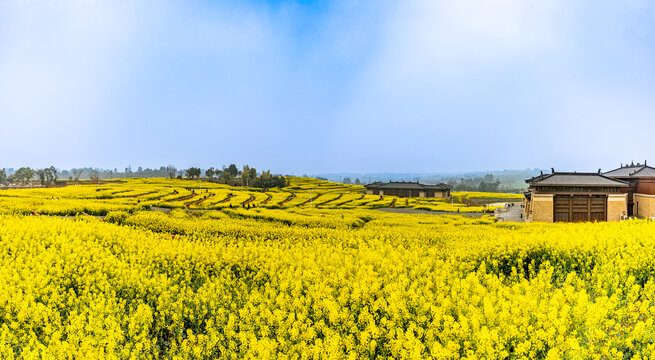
(598, 208)
(580, 208)
(562, 207)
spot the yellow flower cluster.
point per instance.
(324, 284)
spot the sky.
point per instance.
(428, 86)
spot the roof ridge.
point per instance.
(613, 179)
(540, 177)
(545, 177)
(441, 185)
(642, 168)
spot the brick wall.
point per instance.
(542, 207)
(617, 205)
(644, 205)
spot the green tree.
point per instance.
(50, 174)
(248, 175)
(77, 173)
(266, 181)
(218, 174)
(210, 173)
(41, 174)
(226, 174)
(233, 170)
(193, 172)
(357, 182)
(24, 173)
(3, 176)
(172, 171)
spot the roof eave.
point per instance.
(586, 185)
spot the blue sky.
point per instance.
(315, 87)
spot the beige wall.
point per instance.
(617, 205)
(369, 192)
(542, 207)
(644, 205)
(421, 194)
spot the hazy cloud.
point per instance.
(341, 86)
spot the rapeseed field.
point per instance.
(310, 282)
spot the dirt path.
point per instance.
(163, 195)
(142, 194)
(267, 199)
(511, 212)
(182, 198)
(229, 196)
(199, 201)
(312, 199)
(190, 211)
(252, 198)
(330, 201)
(287, 200)
(349, 201)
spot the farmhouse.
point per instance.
(574, 197)
(409, 189)
(641, 188)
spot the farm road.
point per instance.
(511, 212)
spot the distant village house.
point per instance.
(409, 189)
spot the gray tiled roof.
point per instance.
(573, 179)
(646, 171)
(407, 186)
(632, 171)
(624, 171)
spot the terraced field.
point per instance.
(142, 194)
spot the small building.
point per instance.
(575, 197)
(409, 189)
(641, 189)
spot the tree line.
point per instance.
(347, 180)
(230, 175)
(46, 176)
(485, 184)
